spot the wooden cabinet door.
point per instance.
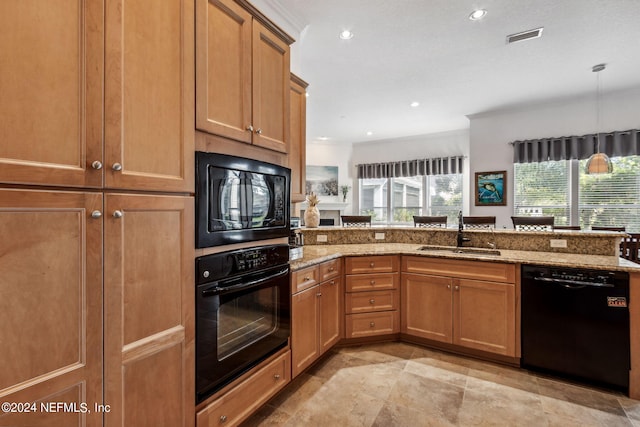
(270, 95)
(149, 95)
(51, 92)
(427, 307)
(331, 313)
(298, 132)
(51, 305)
(223, 69)
(304, 329)
(484, 316)
(149, 310)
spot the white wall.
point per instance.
(330, 154)
(490, 134)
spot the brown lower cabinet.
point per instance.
(242, 400)
(92, 276)
(372, 296)
(447, 307)
(316, 313)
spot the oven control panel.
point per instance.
(227, 264)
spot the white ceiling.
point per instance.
(429, 51)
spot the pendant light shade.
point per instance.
(598, 162)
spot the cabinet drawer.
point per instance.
(232, 408)
(330, 269)
(372, 264)
(304, 278)
(372, 282)
(477, 270)
(363, 302)
(370, 324)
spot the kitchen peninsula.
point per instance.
(489, 267)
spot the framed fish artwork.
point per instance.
(491, 188)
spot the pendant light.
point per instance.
(598, 162)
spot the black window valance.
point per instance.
(613, 144)
(406, 168)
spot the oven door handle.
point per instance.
(217, 290)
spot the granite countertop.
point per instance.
(315, 254)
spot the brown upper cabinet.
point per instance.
(242, 75)
(297, 148)
(57, 58)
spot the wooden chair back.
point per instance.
(630, 247)
(356, 220)
(533, 223)
(479, 222)
(430, 221)
(607, 228)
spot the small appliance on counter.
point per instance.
(296, 240)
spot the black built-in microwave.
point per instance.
(240, 200)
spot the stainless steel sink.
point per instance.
(455, 250)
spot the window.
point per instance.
(557, 187)
(417, 195)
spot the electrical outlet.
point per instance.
(379, 236)
(558, 243)
(321, 238)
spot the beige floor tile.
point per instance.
(398, 385)
(435, 399)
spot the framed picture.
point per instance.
(322, 180)
(491, 188)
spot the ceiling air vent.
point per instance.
(525, 35)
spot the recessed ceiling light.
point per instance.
(369, 133)
(346, 35)
(476, 15)
(415, 104)
(323, 138)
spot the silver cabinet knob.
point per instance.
(448, 286)
(372, 324)
(116, 167)
(259, 131)
(456, 287)
(373, 282)
(276, 377)
(371, 264)
(249, 128)
(97, 165)
(206, 274)
(117, 214)
(96, 214)
(223, 418)
(372, 301)
(319, 294)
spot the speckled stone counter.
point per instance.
(577, 242)
(314, 254)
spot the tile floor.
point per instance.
(399, 384)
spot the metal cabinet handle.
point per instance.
(249, 128)
(373, 282)
(333, 282)
(117, 214)
(97, 164)
(319, 294)
(331, 269)
(276, 377)
(96, 214)
(372, 301)
(448, 286)
(305, 278)
(456, 287)
(116, 167)
(223, 418)
(372, 324)
(371, 264)
(259, 131)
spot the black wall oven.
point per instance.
(240, 200)
(242, 312)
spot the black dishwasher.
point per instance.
(575, 323)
